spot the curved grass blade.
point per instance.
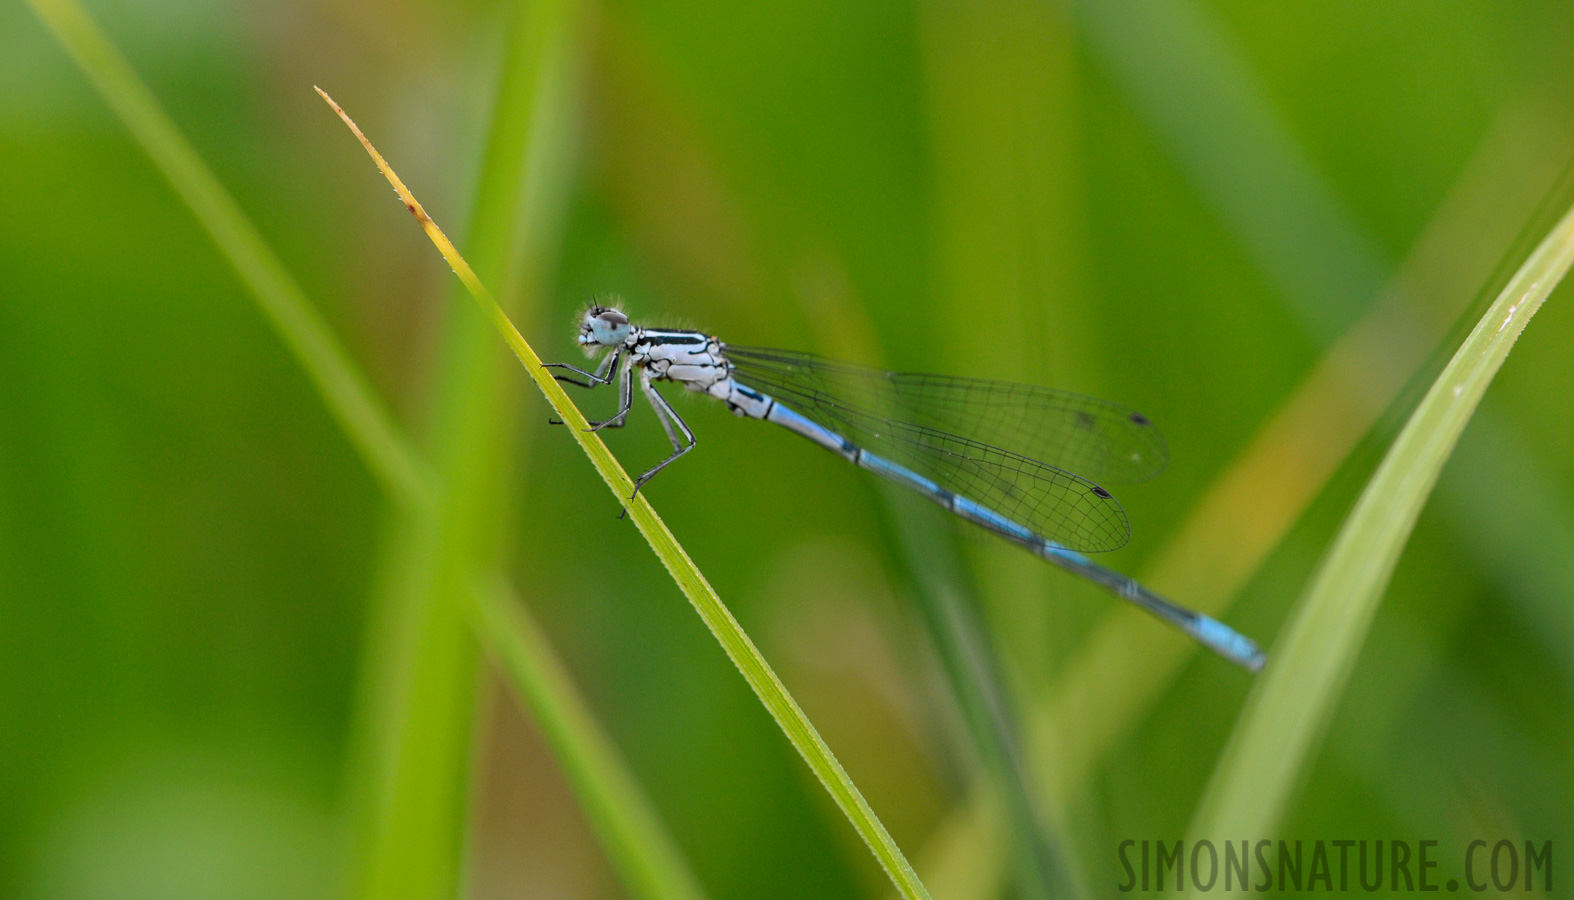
(631, 835)
(1005, 183)
(969, 656)
(416, 718)
(640, 849)
(782, 707)
(365, 420)
(1291, 705)
(1124, 666)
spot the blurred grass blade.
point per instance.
(1182, 69)
(693, 584)
(1126, 664)
(948, 606)
(969, 660)
(626, 827)
(349, 395)
(416, 711)
(1291, 705)
(640, 850)
(999, 87)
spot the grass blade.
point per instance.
(365, 420)
(418, 711)
(627, 828)
(999, 86)
(756, 671)
(1126, 664)
(640, 850)
(1197, 91)
(1234, 527)
(1292, 703)
(948, 607)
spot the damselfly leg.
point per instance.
(669, 419)
(604, 374)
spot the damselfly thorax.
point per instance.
(695, 360)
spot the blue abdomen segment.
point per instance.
(994, 521)
(903, 475)
(825, 437)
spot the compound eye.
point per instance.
(607, 327)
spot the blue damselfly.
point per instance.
(1020, 461)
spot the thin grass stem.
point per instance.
(641, 851)
(419, 720)
(1292, 703)
(1126, 664)
(947, 603)
(365, 420)
(756, 671)
(632, 835)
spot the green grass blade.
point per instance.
(948, 606)
(418, 714)
(1126, 664)
(1235, 525)
(999, 87)
(640, 850)
(1291, 705)
(968, 658)
(1199, 94)
(385, 449)
(351, 401)
(756, 671)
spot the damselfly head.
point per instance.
(603, 326)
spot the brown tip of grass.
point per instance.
(444, 245)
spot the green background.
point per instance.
(1178, 207)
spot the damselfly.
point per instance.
(1020, 461)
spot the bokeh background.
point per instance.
(1236, 217)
